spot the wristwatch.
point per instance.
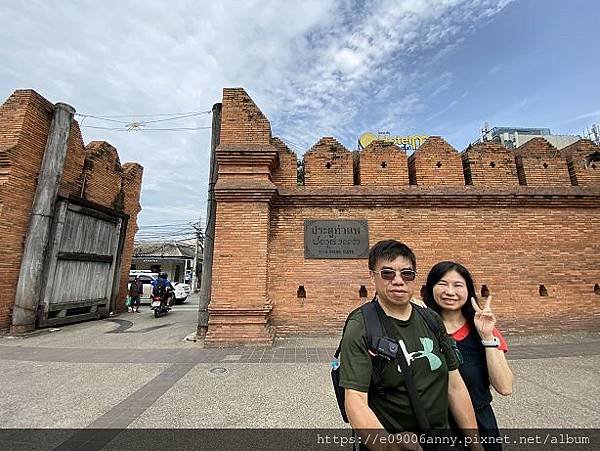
(493, 343)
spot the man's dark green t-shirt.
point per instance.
(428, 364)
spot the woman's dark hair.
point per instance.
(440, 270)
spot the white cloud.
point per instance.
(594, 115)
(316, 68)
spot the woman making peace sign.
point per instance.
(451, 293)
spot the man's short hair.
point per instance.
(388, 250)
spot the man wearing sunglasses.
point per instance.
(393, 270)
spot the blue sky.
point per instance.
(316, 68)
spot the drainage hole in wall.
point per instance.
(301, 293)
(362, 292)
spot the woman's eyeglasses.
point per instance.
(389, 274)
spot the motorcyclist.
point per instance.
(162, 287)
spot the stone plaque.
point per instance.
(341, 238)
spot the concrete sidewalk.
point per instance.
(129, 371)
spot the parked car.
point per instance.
(182, 290)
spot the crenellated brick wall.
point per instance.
(102, 174)
(286, 173)
(328, 163)
(93, 173)
(384, 164)
(490, 165)
(241, 119)
(436, 163)
(542, 164)
(514, 238)
(583, 161)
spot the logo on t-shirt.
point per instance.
(427, 353)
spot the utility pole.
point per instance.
(209, 232)
(199, 239)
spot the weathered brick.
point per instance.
(490, 165)
(383, 164)
(328, 163)
(583, 161)
(436, 163)
(539, 163)
(513, 238)
(25, 120)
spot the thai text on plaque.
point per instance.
(341, 238)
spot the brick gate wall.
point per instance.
(476, 207)
(92, 172)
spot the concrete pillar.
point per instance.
(209, 231)
(32, 264)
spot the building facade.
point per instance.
(513, 137)
(290, 258)
(174, 258)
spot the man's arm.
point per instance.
(359, 413)
(369, 428)
(462, 408)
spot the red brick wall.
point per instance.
(513, 238)
(436, 163)
(73, 169)
(490, 165)
(131, 186)
(286, 174)
(328, 163)
(585, 173)
(102, 174)
(25, 120)
(512, 250)
(241, 119)
(383, 164)
(24, 123)
(543, 164)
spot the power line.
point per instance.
(146, 115)
(174, 118)
(136, 125)
(119, 129)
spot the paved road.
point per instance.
(129, 371)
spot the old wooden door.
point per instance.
(82, 265)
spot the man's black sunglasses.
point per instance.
(389, 274)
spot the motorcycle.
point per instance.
(160, 303)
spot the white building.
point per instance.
(513, 137)
(174, 258)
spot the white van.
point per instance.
(182, 290)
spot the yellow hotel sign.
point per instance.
(411, 142)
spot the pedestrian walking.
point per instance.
(136, 289)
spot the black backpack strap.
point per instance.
(411, 388)
(373, 330)
(372, 321)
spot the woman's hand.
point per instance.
(484, 320)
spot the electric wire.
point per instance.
(137, 125)
(119, 129)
